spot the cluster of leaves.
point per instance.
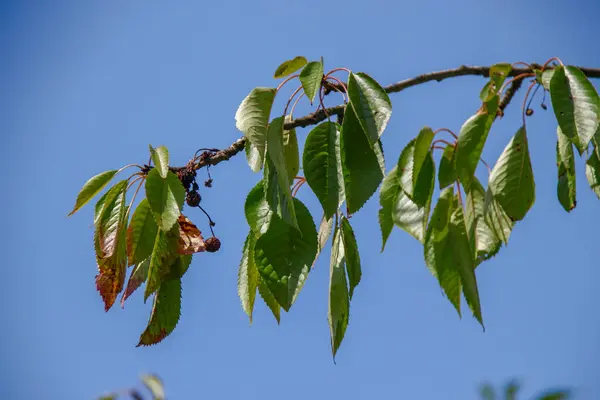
(344, 164)
(152, 383)
(511, 389)
(158, 240)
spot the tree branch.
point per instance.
(321, 115)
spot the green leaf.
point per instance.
(154, 385)
(421, 152)
(546, 78)
(554, 395)
(592, 172)
(447, 170)
(165, 197)
(254, 156)
(370, 103)
(276, 154)
(321, 162)
(351, 254)
(397, 208)
(511, 180)
(160, 158)
(162, 258)
(462, 257)
(284, 255)
(310, 78)
(91, 188)
(339, 301)
(110, 246)
(137, 277)
(248, 276)
(438, 248)
(565, 160)
(417, 185)
(269, 299)
(289, 67)
(496, 218)
(484, 240)
(165, 313)
(576, 105)
(498, 74)
(471, 140)
(252, 118)
(325, 229)
(141, 233)
(423, 189)
(292, 155)
(99, 207)
(258, 212)
(278, 199)
(363, 166)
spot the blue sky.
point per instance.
(87, 85)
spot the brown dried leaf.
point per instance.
(190, 238)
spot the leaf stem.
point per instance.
(290, 99)
(128, 166)
(141, 179)
(339, 82)
(295, 104)
(442, 141)
(286, 80)
(550, 60)
(445, 130)
(336, 70)
(526, 65)
(516, 78)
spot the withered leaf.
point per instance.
(190, 238)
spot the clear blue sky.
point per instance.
(86, 85)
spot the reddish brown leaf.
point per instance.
(138, 276)
(110, 280)
(190, 238)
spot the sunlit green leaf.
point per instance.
(576, 105)
(547, 78)
(363, 166)
(496, 218)
(252, 118)
(311, 77)
(565, 160)
(254, 156)
(592, 172)
(279, 200)
(339, 301)
(511, 179)
(160, 158)
(284, 255)
(275, 152)
(471, 140)
(447, 170)
(483, 239)
(248, 276)
(321, 162)
(141, 233)
(165, 312)
(351, 254)
(258, 212)
(292, 155)
(91, 188)
(371, 104)
(323, 235)
(166, 197)
(288, 67)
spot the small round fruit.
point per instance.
(212, 244)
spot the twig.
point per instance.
(321, 115)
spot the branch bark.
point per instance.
(321, 115)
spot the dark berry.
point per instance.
(529, 112)
(193, 199)
(212, 244)
(208, 183)
(545, 107)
